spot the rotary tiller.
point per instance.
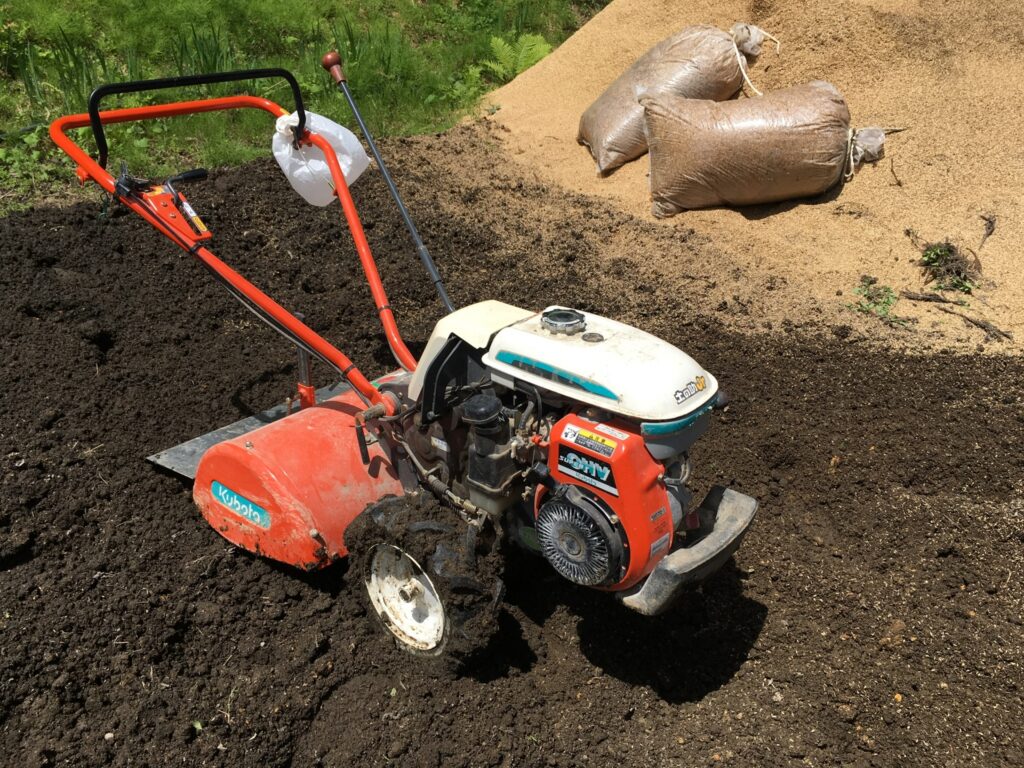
(562, 431)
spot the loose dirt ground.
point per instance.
(872, 617)
(945, 70)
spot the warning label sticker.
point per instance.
(592, 441)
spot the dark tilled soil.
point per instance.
(872, 617)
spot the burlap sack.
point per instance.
(789, 143)
(700, 62)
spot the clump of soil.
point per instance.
(872, 610)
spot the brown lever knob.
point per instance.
(332, 63)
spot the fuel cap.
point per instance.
(567, 321)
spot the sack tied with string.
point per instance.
(791, 143)
(700, 62)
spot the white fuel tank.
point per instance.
(601, 362)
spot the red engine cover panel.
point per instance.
(288, 490)
(614, 464)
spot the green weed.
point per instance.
(30, 163)
(203, 51)
(877, 300)
(512, 59)
(946, 267)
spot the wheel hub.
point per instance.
(405, 598)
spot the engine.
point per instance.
(609, 517)
(567, 428)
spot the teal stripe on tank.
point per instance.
(564, 377)
(669, 427)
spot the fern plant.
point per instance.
(512, 59)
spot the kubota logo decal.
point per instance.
(249, 511)
(699, 384)
(587, 470)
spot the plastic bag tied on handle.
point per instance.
(306, 168)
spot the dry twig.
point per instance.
(934, 297)
(991, 331)
(990, 227)
(892, 170)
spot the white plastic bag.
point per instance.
(868, 145)
(306, 168)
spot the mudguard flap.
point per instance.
(288, 490)
(687, 565)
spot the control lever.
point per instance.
(332, 63)
(373, 412)
(183, 205)
(128, 185)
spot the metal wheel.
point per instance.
(405, 599)
(432, 582)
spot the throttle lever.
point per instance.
(196, 174)
(128, 185)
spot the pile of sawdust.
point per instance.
(941, 69)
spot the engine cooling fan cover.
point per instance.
(579, 541)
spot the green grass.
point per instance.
(415, 67)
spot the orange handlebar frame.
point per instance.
(380, 298)
(88, 169)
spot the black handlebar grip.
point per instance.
(196, 174)
(135, 86)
